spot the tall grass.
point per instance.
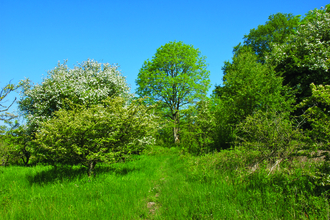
(161, 185)
(119, 191)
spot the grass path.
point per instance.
(162, 186)
(121, 191)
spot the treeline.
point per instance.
(273, 103)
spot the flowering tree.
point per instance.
(86, 84)
(305, 57)
(105, 132)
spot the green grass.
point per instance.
(117, 192)
(165, 185)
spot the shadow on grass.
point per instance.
(70, 173)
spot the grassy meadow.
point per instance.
(161, 184)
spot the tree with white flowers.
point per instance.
(86, 84)
(305, 56)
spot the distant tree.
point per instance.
(105, 132)
(176, 76)
(86, 84)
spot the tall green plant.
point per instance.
(304, 57)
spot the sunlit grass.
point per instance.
(163, 185)
(119, 191)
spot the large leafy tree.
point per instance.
(176, 76)
(86, 84)
(304, 58)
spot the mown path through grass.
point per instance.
(162, 186)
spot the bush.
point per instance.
(271, 133)
(106, 132)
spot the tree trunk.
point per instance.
(176, 128)
(91, 168)
(5, 161)
(26, 160)
(176, 135)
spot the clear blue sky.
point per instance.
(35, 35)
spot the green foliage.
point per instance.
(197, 128)
(304, 57)
(276, 30)
(271, 134)
(20, 139)
(249, 86)
(176, 76)
(106, 132)
(6, 151)
(318, 114)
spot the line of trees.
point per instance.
(274, 100)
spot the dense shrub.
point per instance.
(270, 133)
(106, 132)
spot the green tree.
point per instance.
(269, 133)
(248, 86)
(276, 30)
(176, 76)
(105, 132)
(198, 126)
(304, 58)
(261, 40)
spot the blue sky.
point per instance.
(35, 35)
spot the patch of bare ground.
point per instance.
(295, 161)
(153, 204)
